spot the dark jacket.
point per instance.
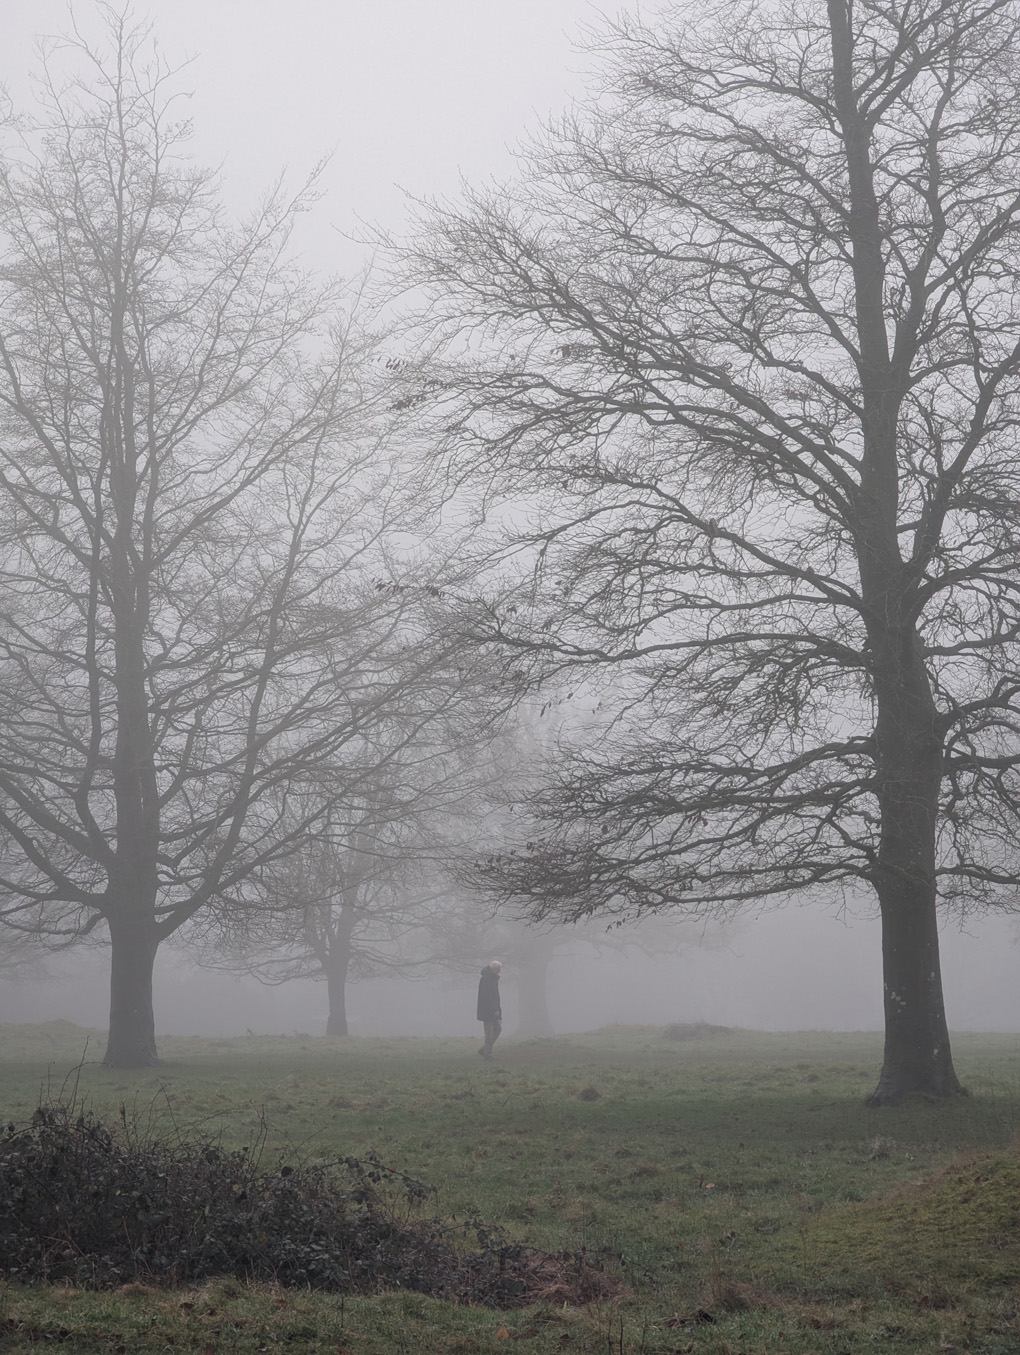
(488, 996)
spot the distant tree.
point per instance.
(195, 613)
(468, 934)
(530, 954)
(744, 339)
(334, 912)
(471, 928)
(361, 895)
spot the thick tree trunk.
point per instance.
(336, 987)
(908, 745)
(917, 1059)
(909, 754)
(336, 964)
(133, 875)
(132, 1038)
(533, 1019)
(134, 937)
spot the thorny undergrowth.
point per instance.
(100, 1205)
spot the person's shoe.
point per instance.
(485, 1054)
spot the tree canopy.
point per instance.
(741, 346)
(198, 618)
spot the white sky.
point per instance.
(412, 94)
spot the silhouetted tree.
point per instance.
(334, 912)
(195, 612)
(743, 342)
(359, 897)
(471, 929)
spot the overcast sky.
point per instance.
(410, 94)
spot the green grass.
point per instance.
(735, 1182)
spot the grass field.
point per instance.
(734, 1181)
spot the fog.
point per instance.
(411, 96)
(796, 969)
(407, 97)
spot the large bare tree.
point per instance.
(742, 345)
(195, 613)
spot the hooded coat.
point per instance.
(488, 996)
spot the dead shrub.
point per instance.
(104, 1207)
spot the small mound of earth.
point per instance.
(693, 1030)
(960, 1227)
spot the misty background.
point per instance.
(795, 969)
(411, 97)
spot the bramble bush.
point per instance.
(100, 1205)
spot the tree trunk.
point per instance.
(336, 987)
(132, 1038)
(917, 1060)
(336, 964)
(533, 1019)
(907, 743)
(909, 752)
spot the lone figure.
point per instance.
(488, 1006)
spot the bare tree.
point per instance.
(339, 912)
(360, 895)
(195, 609)
(535, 956)
(746, 335)
(471, 927)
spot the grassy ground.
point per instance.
(734, 1181)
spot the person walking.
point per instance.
(489, 1011)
